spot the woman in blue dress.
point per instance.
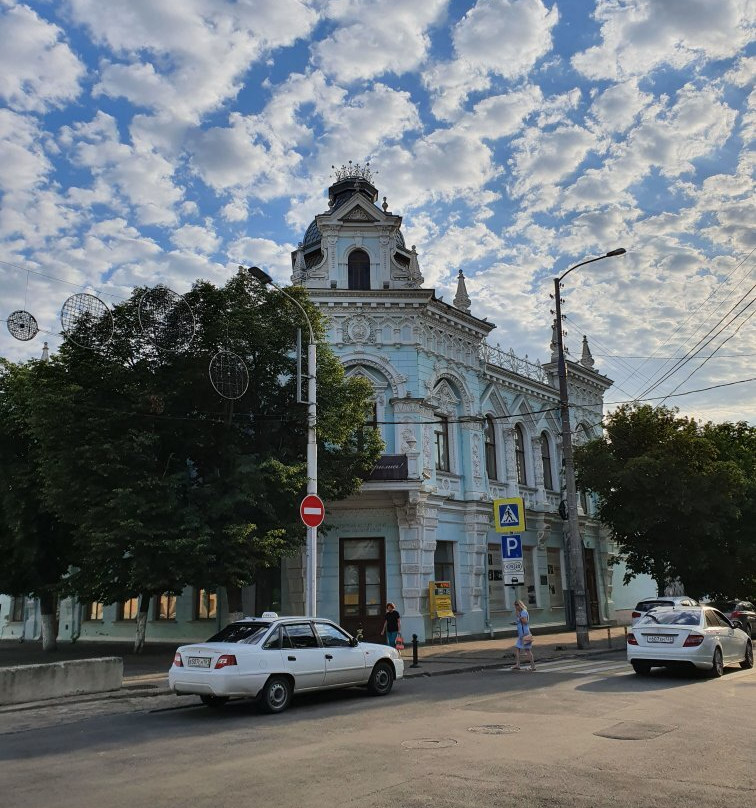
(523, 630)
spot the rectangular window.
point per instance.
(206, 605)
(441, 429)
(165, 608)
(129, 609)
(548, 480)
(528, 558)
(443, 567)
(93, 610)
(17, 610)
(554, 577)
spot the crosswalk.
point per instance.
(581, 667)
(598, 667)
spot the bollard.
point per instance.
(415, 663)
(609, 636)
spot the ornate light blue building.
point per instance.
(464, 423)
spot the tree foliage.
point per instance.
(679, 497)
(163, 482)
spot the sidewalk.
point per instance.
(145, 674)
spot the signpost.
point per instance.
(312, 510)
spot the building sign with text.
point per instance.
(440, 599)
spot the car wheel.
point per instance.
(717, 664)
(641, 668)
(214, 701)
(381, 679)
(276, 694)
(748, 661)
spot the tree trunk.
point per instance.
(48, 604)
(141, 623)
(235, 607)
(660, 576)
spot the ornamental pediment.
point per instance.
(358, 214)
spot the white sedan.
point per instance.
(270, 658)
(697, 636)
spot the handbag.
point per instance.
(399, 644)
(527, 638)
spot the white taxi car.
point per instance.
(696, 636)
(271, 658)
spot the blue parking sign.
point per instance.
(511, 546)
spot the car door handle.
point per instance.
(292, 659)
(329, 656)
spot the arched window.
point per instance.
(359, 270)
(548, 480)
(490, 438)
(519, 439)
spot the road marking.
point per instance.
(580, 668)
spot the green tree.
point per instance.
(36, 547)
(166, 483)
(673, 496)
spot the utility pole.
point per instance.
(575, 545)
(311, 552)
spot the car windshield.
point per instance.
(645, 605)
(668, 617)
(250, 632)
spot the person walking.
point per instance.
(392, 625)
(524, 637)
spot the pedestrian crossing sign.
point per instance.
(509, 515)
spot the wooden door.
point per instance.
(362, 587)
(592, 587)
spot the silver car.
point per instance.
(692, 636)
(270, 658)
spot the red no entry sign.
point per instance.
(312, 510)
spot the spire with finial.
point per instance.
(462, 299)
(586, 359)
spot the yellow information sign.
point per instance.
(440, 599)
(509, 515)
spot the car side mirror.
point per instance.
(353, 642)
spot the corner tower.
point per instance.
(355, 244)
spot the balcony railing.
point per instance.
(508, 360)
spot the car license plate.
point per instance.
(198, 662)
(660, 638)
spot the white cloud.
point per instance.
(506, 37)
(641, 35)
(23, 162)
(37, 69)
(187, 56)
(450, 83)
(617, 107)
(375, 37)
(274, 258)
(143, 178)
(547, 158)
(194, 238)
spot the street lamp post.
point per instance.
(577, 565)
(312, 444)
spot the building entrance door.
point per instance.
(362, 587)
(592, 587)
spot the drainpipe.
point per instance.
(486, 603)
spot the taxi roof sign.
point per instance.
(509, 515)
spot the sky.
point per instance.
(156, 141)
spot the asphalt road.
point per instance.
(574, 733)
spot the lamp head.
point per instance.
(618, 251)
(262, 276)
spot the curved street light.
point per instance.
(312, 443)
(575, 548)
